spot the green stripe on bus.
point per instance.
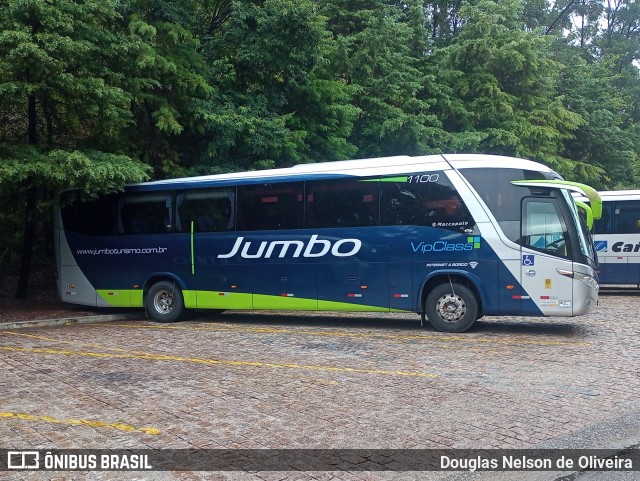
(121, 297)
(193, 262)
(223, 300)
(403, 179)
(240, 301)
(261, 301)
(190, 299)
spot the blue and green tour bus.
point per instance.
(450, 237)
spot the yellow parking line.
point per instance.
(273, 330)
(73, 343)
(160, 357)
(78, 422)
(425, 337)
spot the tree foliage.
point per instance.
(375, 57)
(506, 81)
(61, 80)
(276, 100)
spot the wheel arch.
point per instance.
(456, 276)
(162, 276)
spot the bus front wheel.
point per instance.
(164, 302)
(451, 307)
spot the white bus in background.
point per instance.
(616, 237)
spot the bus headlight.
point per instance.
(579, 276)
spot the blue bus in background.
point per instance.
(450, 237)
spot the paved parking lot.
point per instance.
(322, 380)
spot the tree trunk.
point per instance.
(29, 232)
(32, 132)
(28, 239)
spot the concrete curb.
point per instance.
(70, 321)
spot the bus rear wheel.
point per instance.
(451, 307)
(164, 302)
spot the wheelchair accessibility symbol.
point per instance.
(528, 259)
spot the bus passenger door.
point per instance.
(544, 252)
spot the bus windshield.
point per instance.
(584, 237)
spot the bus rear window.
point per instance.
(88, 216)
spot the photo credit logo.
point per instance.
(23, 460)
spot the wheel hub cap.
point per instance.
(163, 301)
(451, 308)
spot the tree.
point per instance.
(276, 102)
(608, 139)
(600, 83)
(506, 84)
(620, 37)
(377, 56)
(61, 79)
(166, 77)
(444, 19)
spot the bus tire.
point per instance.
(451, 311)
(164, 302)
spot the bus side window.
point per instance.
(144, 214)
(627, 217)
(342, 203)
(210, 210)
(435, 203)
(271, 206)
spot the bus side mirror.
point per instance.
(588, 212)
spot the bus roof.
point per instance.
(610, 195)
(613, 195)
(348, 168)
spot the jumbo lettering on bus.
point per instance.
(314, 248)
